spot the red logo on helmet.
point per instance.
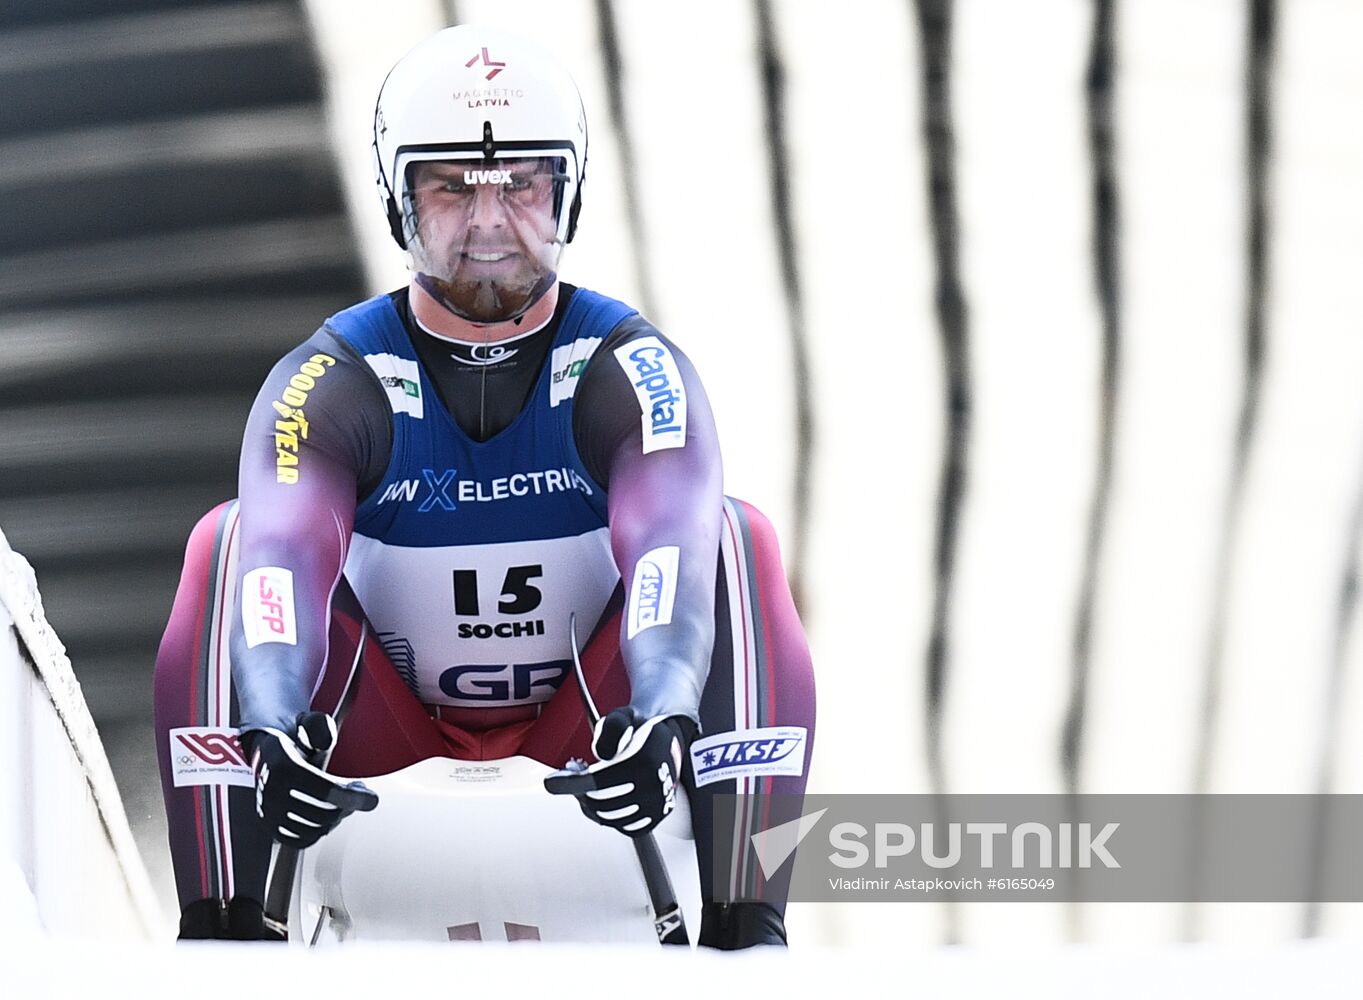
(496, 67)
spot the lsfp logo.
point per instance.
(267, 606)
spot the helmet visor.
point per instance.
(484, 233)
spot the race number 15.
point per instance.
(519, 596)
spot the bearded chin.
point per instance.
(482, 301)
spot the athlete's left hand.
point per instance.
(633, 785)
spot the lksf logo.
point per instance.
(650, 592)
(487, 176)
(747, 752)
(653, 590)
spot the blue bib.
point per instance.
(469, 557)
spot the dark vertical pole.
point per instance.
(1261, 23)
(451, 12)
(778, 162)
(1099, 85)
(624, 137)
(1258, 64)
(934, 23)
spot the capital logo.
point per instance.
(496, 67)
(658, 387)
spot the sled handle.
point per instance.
(279, 891)
(668, 922)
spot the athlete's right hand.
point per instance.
(298, 801)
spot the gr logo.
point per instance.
(504, 684)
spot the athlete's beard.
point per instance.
(447, 272)
(483, 301)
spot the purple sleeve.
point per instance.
(669, 497)
(314, 435)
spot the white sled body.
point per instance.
(479, 851)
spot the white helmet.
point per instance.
(480, 149)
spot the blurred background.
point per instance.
(1034, 328)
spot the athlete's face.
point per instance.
(485, 235)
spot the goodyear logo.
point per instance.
(292, 423)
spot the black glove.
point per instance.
(298, 801)
(634, 784)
